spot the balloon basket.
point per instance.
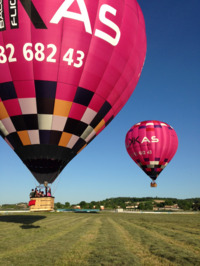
(41, 204)
(153, 184)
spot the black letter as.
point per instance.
(33, 14)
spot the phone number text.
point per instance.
(40, 52)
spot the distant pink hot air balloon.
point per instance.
(151, 144)
(67, 67)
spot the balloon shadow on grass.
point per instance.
(26, 220)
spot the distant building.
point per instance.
(171, 207)
(76, 207)
(119, 210)
(132, 207)
(159, 201)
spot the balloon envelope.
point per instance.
(151, 144)
(66, 69)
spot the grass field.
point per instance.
(99, 239)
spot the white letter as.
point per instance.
(154, 139)
(145, 139)
(102, 16)
(83, 16)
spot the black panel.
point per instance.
(80, 143)
(45, 89)
(18, 122)
(55, 137)
(14, 140)
(7, 91)
(31, 121)
(45, 136)
(101, 114)
(75, 127)
(153, 174)
(25, 122)
(2, 135)
(45, 106)
(3, 22)
(83, 96)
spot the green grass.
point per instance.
(99, 239)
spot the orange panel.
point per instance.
(64, 139)
(24, 137)
(62, 108)
(99, 126)
(3, 112)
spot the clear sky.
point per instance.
(168, 90)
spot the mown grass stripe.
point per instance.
(83, 247)
(180, 238)
(142, 252)
(167, 245)
(109, 247)
(153, 231)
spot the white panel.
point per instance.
(154, 162)
(28, 105)
(163, 124)
(7, 122)
(92, 134)
(88, 116)
(87, 132)
(45, 122)
(3, 129)
(58, 122)
(72, 141)
(34, 136)
(150, 166)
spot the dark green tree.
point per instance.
(67, 205)
(196, 207)
(83, 205)
(58, 205)
(185, 205)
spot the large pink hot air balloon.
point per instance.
(67, 67)
(151, 144)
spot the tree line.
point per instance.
(144, 203)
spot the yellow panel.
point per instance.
(82, 148)
(3, 112)
(99, 126)
(64, 139)
(24, 137)
(62, 108)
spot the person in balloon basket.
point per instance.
(49, 192)
(36, 193)
(32, 194)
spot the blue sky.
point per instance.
(168, 90)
